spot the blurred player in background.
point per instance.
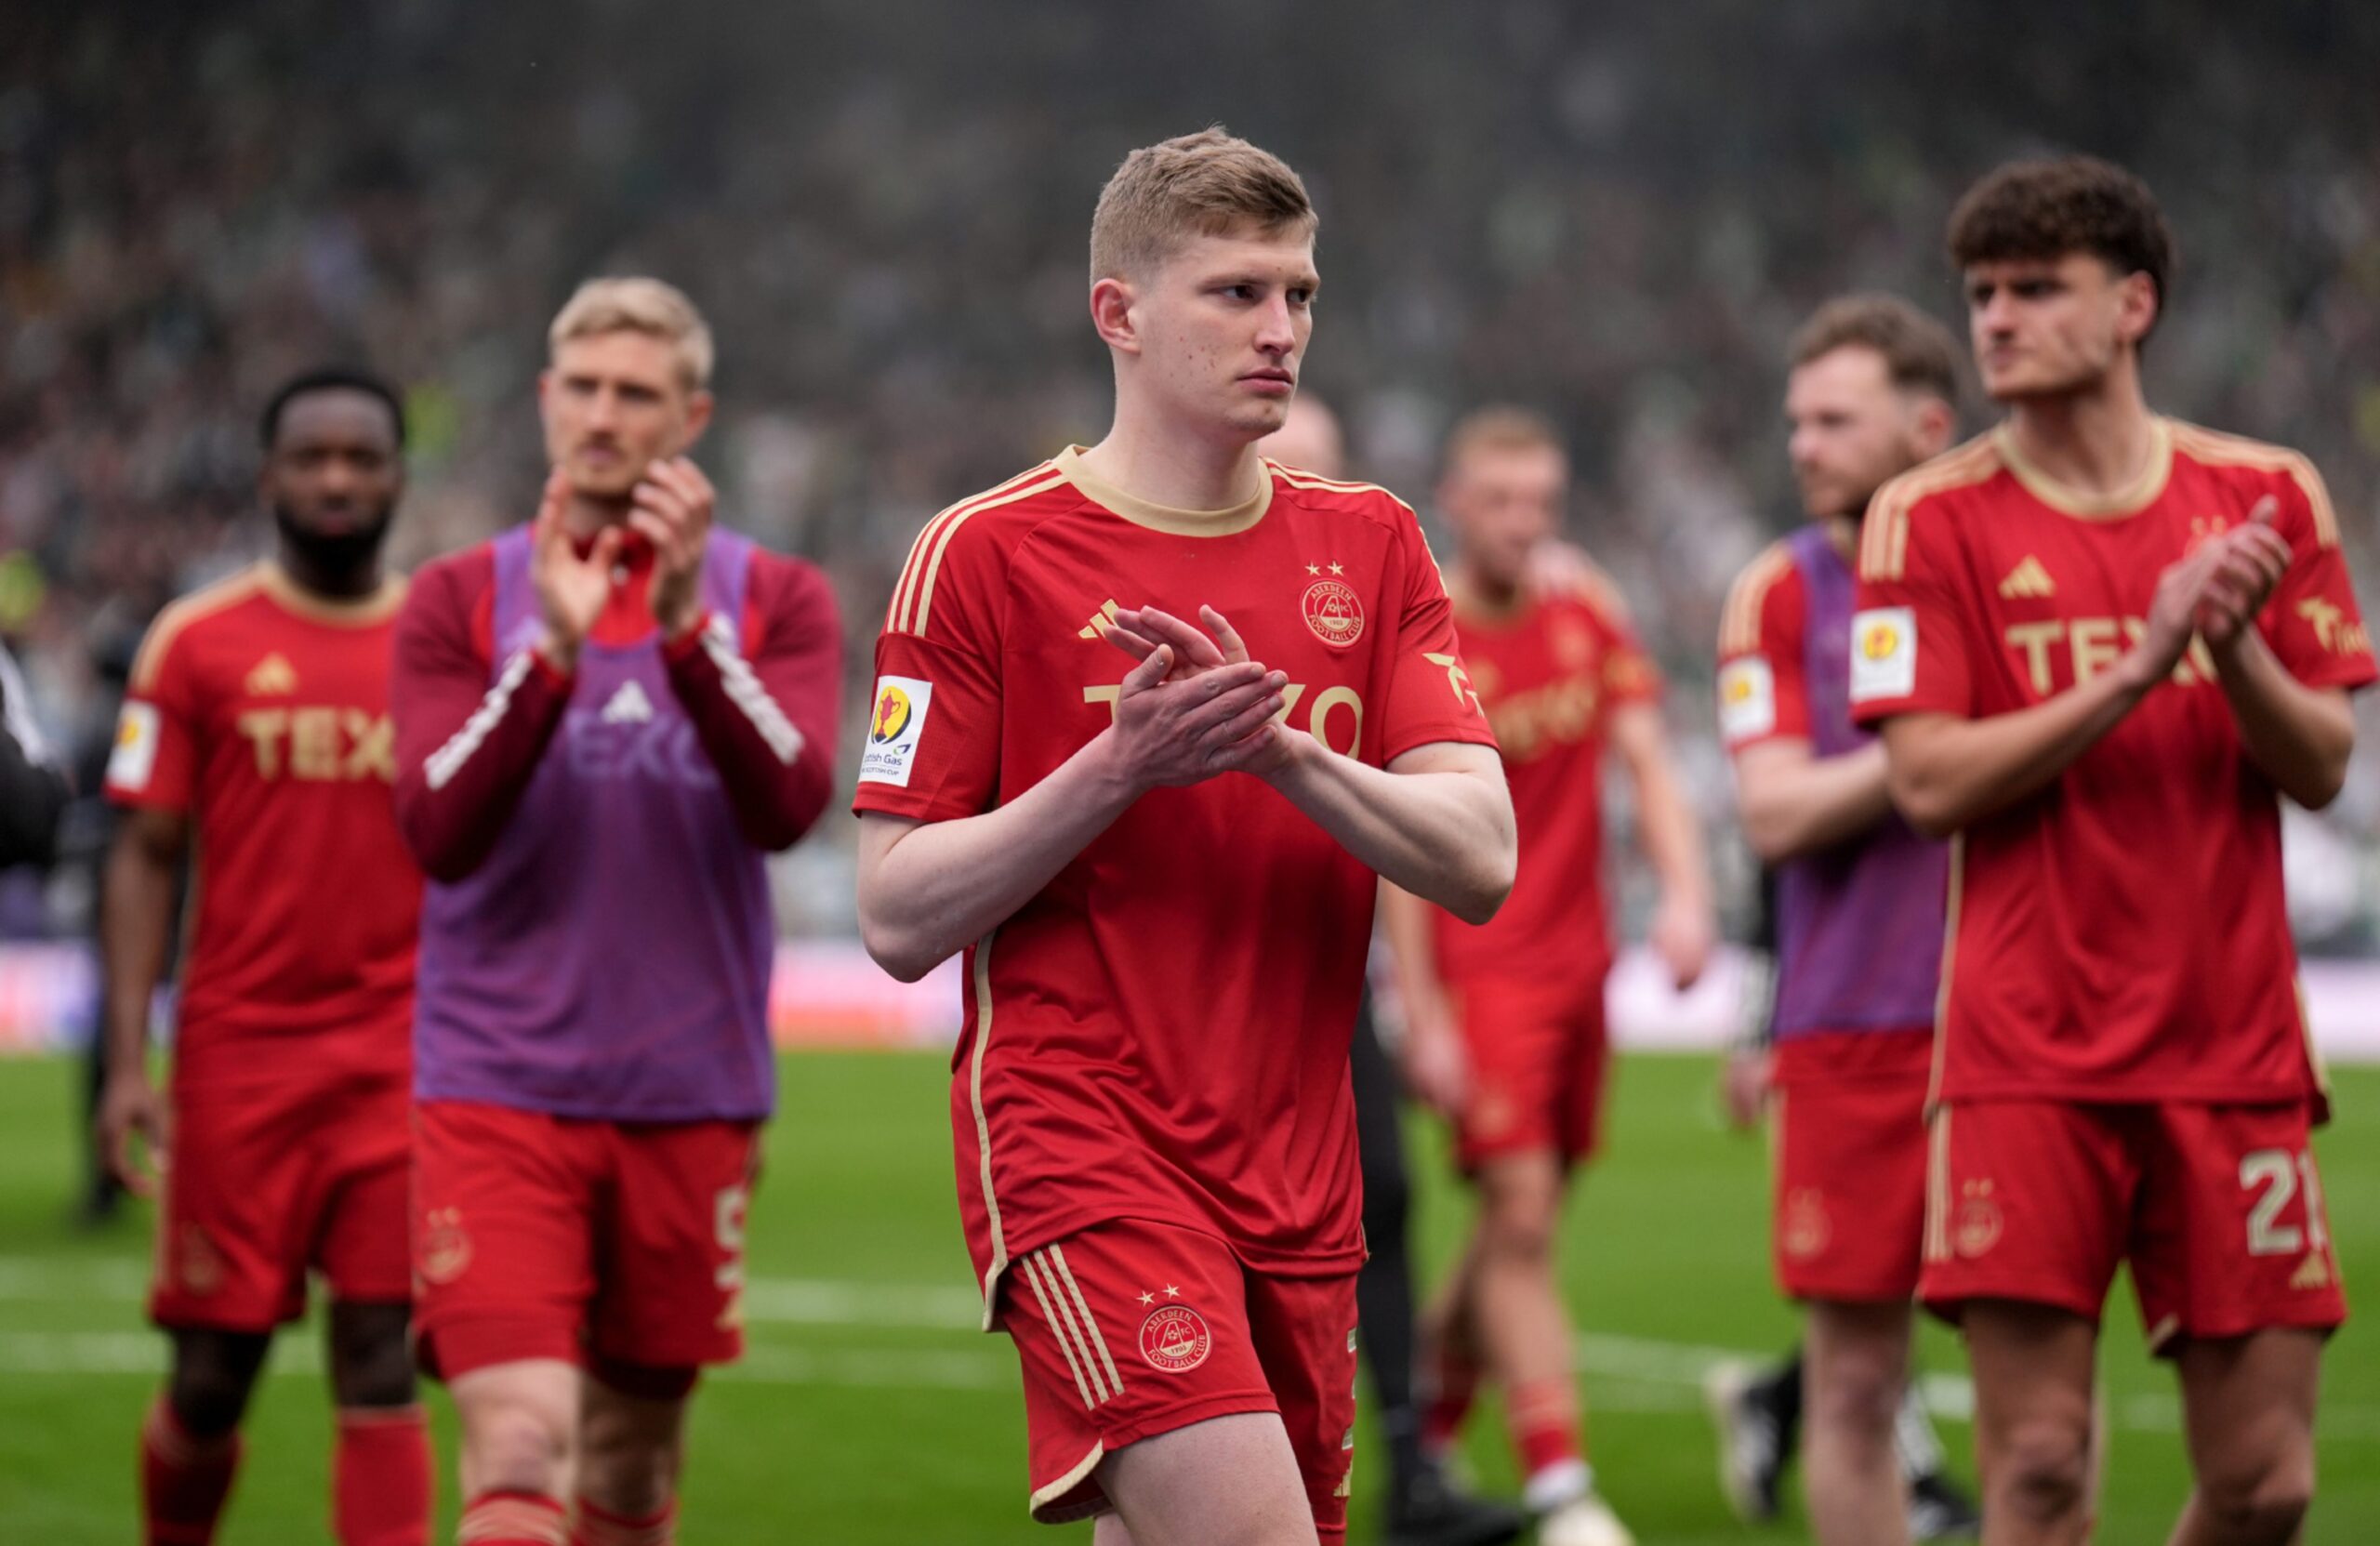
(1422, 1507)
(1164, 883)
(1858, 910)
(2100, 644)
(1504, 1023)
(605, 718)
(255, 742)
(33, 786)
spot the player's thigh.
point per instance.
(1857, 1365)
(1304, 1332)
(1126, 1331)
(362, 1243)
(1232, 1478)
(672, 1266)
(2233, 1238)
(519, 1420)
(503, 1239)
(1848, 1197)
(239, 1194)
(2033, 1366)
(2026, 1200)
(2248, 1410)
(1520, 1200)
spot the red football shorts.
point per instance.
(2218, 1209)
(544, 1237)
(265, 1182)
(1539, 1058)
(1850, 1188)
(1130, 1329)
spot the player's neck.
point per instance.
(2098, 440)
(1157, 464)
(1842, 535)
(332, 583)
(585, 517)
(1476, 594)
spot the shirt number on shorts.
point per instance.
(727, 1211)
(2279, 1172)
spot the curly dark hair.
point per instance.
(2067, 203)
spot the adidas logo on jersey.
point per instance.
(1099, 620)
(629, 707)
(271, 677)
(2311, 1274)
(2028, 580)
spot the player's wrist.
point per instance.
(1296, 750)
(558, 649)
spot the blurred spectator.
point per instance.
(1615, 214)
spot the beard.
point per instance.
(335, 552)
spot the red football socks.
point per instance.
(1543, 1416)
(1454, 1382)
(184, 1479)
(380, 1477)
(601, 1527)
(513, 1519)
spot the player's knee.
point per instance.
(1858, 1399)
(2262, 1502)
(626, 1472)
(1518, 1232)
(214, 1373)
(515, 1446)
(2045, 1472)
(371, 1360)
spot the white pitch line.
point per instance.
(1645, 1375)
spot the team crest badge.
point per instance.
(1174, 1339)
(446, 1249)
(1334, 612)
(1808, 1229)
(1976, 1227)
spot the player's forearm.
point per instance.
(769, 731)
(136, 921)
(465, 758)
(1793, 809)
(1947, 772)
(1444, 832)
(2300, 736)
(928, 889)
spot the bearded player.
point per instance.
(1420, 1505)
(1163, 884)
(605, 718)
(254, 744)
(1504, 1022)
(1859, 917)
(2101, 645)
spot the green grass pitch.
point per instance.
(869, 1412)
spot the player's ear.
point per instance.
(1111, 313)
(699, 405)
(1936, 422)
(2137, 304)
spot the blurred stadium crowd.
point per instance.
(1614, 214)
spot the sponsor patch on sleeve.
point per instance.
(1747, 699)
(893, 725)
(1883, 654)
(135, 757)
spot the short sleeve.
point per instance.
(2312, 621)
(932, 747)
(1763, 685)
(1430, 695)
(156, 757)
(1629, 674)
(1909, 635)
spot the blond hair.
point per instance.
(1203, 184)
(1500, 427)
(639, 305)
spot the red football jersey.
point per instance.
(263, 711)
(2122, 934)
(1163, 1033)
(1549, 677)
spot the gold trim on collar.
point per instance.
(1165, 518)
(361, 612)
(2131, 499)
